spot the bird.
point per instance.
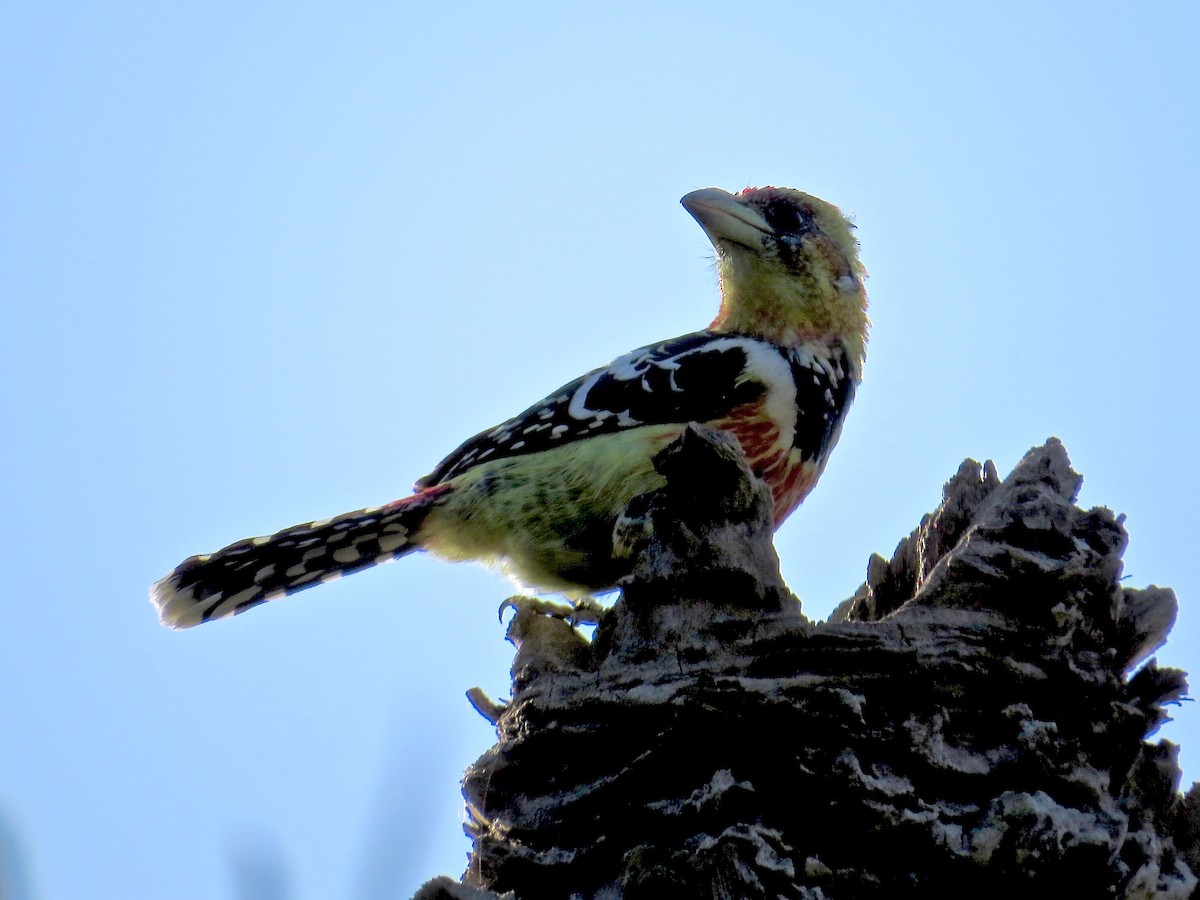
(538, 495)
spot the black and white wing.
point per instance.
(698, 377)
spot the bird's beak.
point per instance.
(724, 218)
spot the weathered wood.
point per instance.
(973, 720)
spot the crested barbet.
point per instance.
(540, 493)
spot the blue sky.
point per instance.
(263, 263)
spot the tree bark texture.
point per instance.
(973, 721)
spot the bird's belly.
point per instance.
(547, 518)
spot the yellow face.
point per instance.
(788, 264)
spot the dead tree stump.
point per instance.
(972, 722)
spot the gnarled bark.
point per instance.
(966, 723)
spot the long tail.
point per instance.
(255, 570)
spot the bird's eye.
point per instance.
(787, 218)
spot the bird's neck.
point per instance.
(789, 310)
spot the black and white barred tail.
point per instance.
(255, 570)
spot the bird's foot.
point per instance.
(585, 611)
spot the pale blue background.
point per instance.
(262, 263)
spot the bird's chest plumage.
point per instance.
(789, 431)
(772, 458)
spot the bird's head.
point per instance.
(788, 265)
